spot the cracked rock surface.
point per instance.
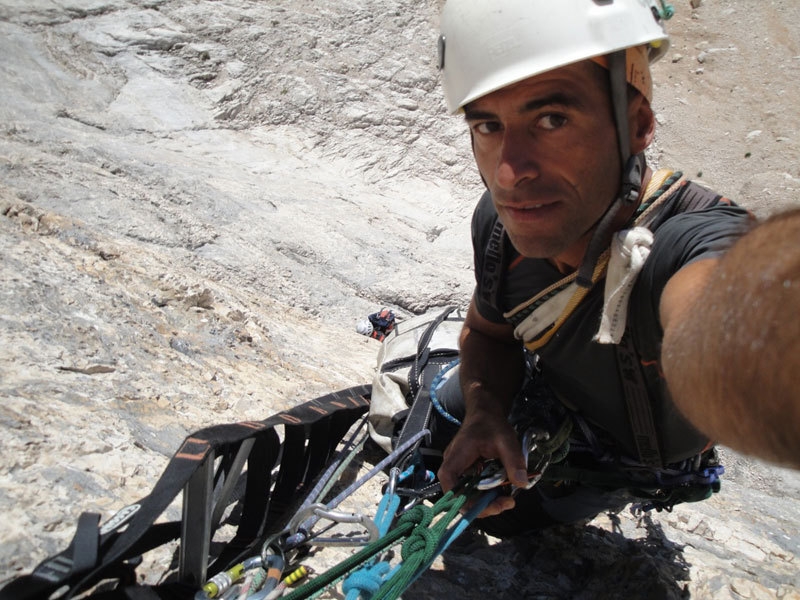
(199, 199)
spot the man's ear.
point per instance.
(642, 123)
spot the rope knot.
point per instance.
(420, 515)
(421, 543)
(367, 581)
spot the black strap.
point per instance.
(80, 556)
(423, 352)
(604, 228)
(494, 258)
(97, 552)
(419, 380)
(637, 400)
(690, 197)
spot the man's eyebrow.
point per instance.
(471, 114)
(556, 99)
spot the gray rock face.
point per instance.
(199, 200)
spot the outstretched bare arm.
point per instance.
(731, 351)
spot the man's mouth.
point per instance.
(529, 209)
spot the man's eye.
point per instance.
(486, 127)
(552, 121)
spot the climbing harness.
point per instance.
(538, 320)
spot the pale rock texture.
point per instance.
(198, 200)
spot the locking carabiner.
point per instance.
(494, 475)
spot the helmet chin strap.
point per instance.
(632, 171)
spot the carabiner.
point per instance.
(394, 476)
(320, 511)
(494, 475)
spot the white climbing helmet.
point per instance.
(364, 327)
(486, 45)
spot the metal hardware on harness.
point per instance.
(494, 475)
(394, 475)
(320, 511)
(423, 484)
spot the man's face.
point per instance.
(547, 149)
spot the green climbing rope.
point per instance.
(421, 546)
(422, 542)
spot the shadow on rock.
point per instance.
(575, 562)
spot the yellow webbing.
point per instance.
(577, 297)
(656, 181)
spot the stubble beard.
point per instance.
(539, 246)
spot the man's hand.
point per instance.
(492, 370)
(485, 436)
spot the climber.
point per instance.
(587, 261)
(377, 325)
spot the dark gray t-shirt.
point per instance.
(583, 373)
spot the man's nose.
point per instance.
(517, 160)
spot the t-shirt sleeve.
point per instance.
(483, 221)
(688, 237)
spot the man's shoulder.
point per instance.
(677, 195)
(688, 236)
(721, 218)
(690, 212)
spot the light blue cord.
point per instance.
(365, 582)
(437, 381)
(368, 579)
(458, 529)
(386, 510)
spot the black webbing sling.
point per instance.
(425, 365)
(210, 459)
(638, 382)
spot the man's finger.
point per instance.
(451, 474)
(498, 505)
(514, 463)
(518, 478)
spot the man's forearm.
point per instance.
(732, 358)
(491, 370)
